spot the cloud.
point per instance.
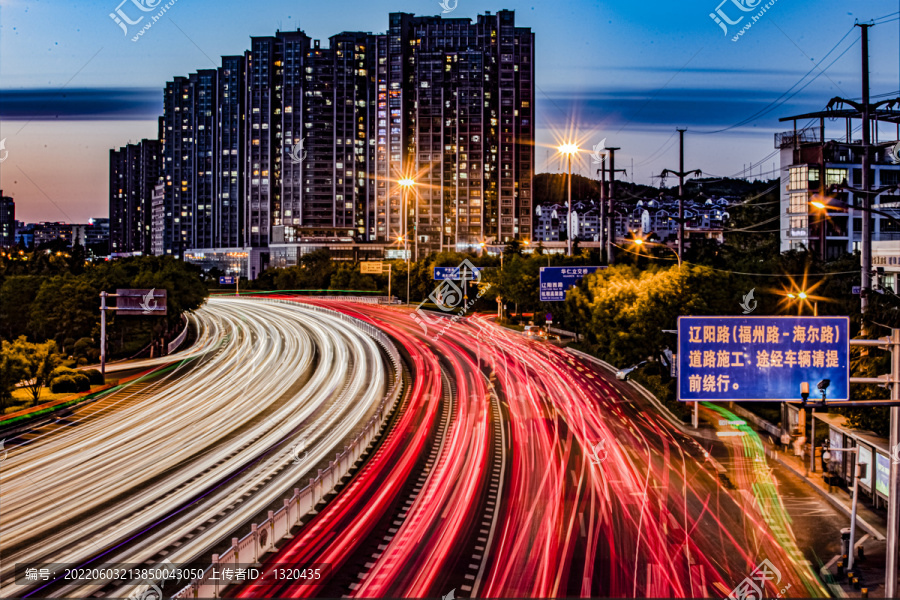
(701, 108)
(88, 104)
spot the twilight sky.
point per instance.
(73, 85)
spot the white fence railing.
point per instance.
(361, 299)
(174, 344)
(251, 548)
(570, 334)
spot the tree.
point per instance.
(17, 293)
(624, 310)
(10, 373)
(37, 362)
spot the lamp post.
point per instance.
(569, 150)
(407, 183)
(639, 242)
(240, 255)
(642, 242)
(860, 472)
(406, 252)
(802, 296)
(840, 206)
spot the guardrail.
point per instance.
(251, 548)
(757, 420)
(360, 299)
(570, 334)
(176, 343)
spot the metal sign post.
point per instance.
(890, 576)
(103, 309)
(376, 267)
(133, 302)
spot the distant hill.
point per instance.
(552, 188)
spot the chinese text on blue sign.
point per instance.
(556, 280)
(226, 280)
(762, 358)
(443, 273)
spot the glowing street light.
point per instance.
(569, 150)
(640, 242)
(802, 296)
(402, 239)
(408, 183)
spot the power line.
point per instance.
(776, 275)
(782, 99)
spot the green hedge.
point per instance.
(70, 383)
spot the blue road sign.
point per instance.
(556, 280)
(444, 273)
(762, 358)
(856, 290)
(226, 280)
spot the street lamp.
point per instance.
(840, 206)
(240, 268)
(402, 238)
(568, 150)
(802, 296)
(641, 242)
(860, 473)
(868, 196)
(407, 183)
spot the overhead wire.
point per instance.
(776, 275)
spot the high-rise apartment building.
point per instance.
(230, 151)
(7, 221)
(293, 141)
(133, 172)
(455, 114)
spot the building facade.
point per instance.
(455, 114)
(293, 138)
(133, 172)
(7, 221)
(810, 169)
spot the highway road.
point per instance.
(516, 469)
(272, 391)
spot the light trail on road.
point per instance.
(602, 496)
(159, 475)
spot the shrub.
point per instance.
(83, 346)
(95, 377)
(68, 383)
(62, 370)
(63, 384)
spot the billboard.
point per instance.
(372, 267)
(762, 358)
(865, 458)
(453, 273)
(131, 302)
(556, 280)
(882, 474)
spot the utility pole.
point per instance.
(890, 576)
(681, 174)
(823, 220)
(103, 296)
(602, 173)
(610, 210)
(866, 111)
(569, 228)
(866, 245)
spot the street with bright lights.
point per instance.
(510, 468)
(449, 299)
